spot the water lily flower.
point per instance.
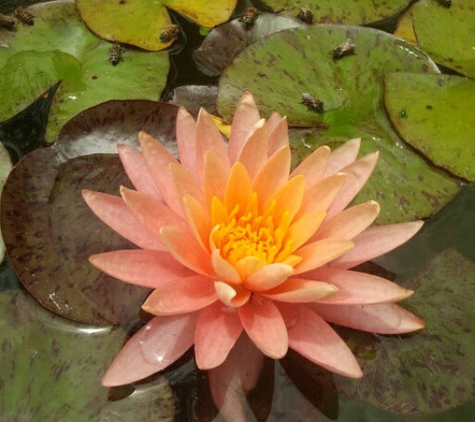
(233, 243)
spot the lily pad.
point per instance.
(146, 23)
(359, 12)
(50, 232)
(282, 67)
(446, 33)
(59, 47)
(5, 168)
(51, 369)
(438, 117)
(226, 41)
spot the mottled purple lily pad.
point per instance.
(51, 368)
(226, 41)
(49, 231)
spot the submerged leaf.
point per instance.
(48, 229)
(439, 117)
(283, 69)
(50, 369)
(60, 47)
(147, 23)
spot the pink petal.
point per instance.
(264, 326)
(141, 267)
(350, 222)
(278, 137)
(215, 178)
(208, 138)
(198, 220)
(272, 122)
(377, 241)
(245, 117)
(298, 290)
(185, 183)
(358, 288)
(181, 296)
(343, 156)
(224, 270)
(254, 151)
(217, 330)
(314, 339)
(387, 318)
(185, 137)
(157, 158)
(187, 250)
(357, 174)
(268, 277)
(321, 252)
(152, 214)
(313, 167)
(113, 212)
(175, 337)
(231, 382)
(165, 338)
(231, 295)
(135, 167)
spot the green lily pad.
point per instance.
(226, 41)
(5, 168)
(438, 117)
(146, 23)
(359, 12)
(279, 69)
(59, 47)
(446, 33)
(51, 369)
(48, 229)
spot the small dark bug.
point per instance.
(403, 113)
(305, 15)
(7, 22)
(343, 50)
(24, 16)
(446, 3)
(115, 54)
(169, 34)
(312, 103)
(249, 19)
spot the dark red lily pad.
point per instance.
(49, 231)
(51, 368)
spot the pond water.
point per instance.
(423, 377)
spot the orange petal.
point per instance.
(215, 177)
(245, 117)
(350, 222)
(113, 212)
(314, 339)
(239, 189)
(140, 267)
(303, 229)
(233, 296)
(265, 327)
(268, 277)
(136, 169)
(217, 330)
(187, 250)
(278, 137)
(313, 167)
(321, 194)
(185, 183)
(272, 176)
(151, 213)
(208, 138)
(185, 137)
(224, 270)
(249, 265)
(386, 318)
(343, 156)
(157, 158)
(254, 151)
(320, 252)
(298, 290)
(181, 296)
(198, 220)
(356, 288)
(357, 174)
